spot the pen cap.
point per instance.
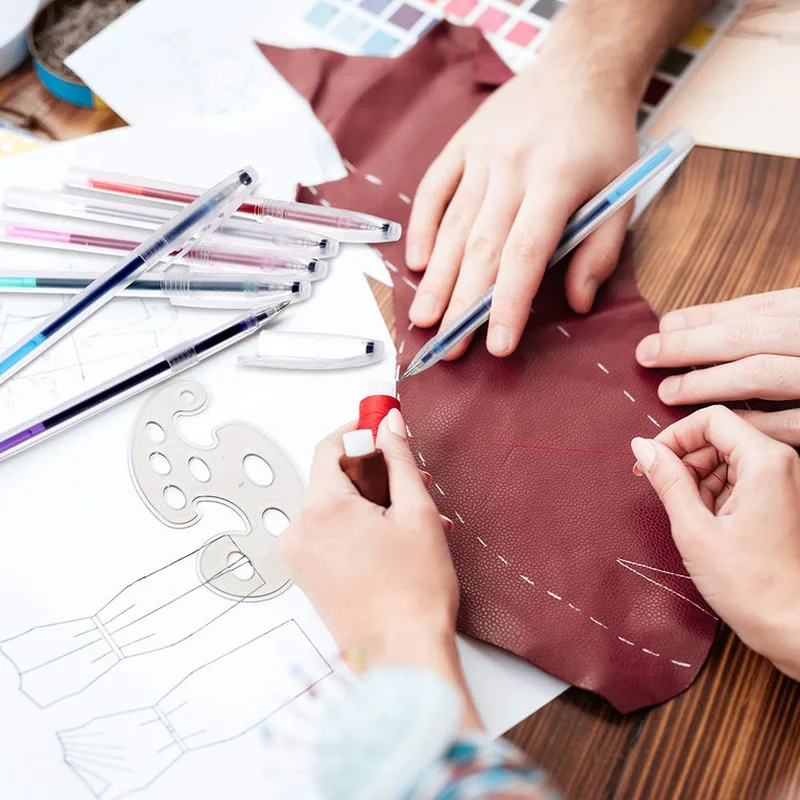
(317, 351)
(189, 288)
(43, 202)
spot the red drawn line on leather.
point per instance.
(519, 445)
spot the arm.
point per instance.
(382, 580)
(493, 205)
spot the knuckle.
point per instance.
(759, 371)
(454, 221)
(523, 248)
(482, 248)
(741, 334)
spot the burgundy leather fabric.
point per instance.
(564, 557)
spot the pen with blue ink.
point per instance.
(170, 241)
(656, 161)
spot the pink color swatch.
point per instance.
(460, 8)
(523, 33)
(491, 20)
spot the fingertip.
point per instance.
(499, 341)
(669, 389)
(645, 452)
(581, 297)
(417, 255)
(425, 310)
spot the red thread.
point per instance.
(373, 409)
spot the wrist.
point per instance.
(784, 650)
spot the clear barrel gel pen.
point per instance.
(169, 242)
(157, 370)
(183, 286)
(117, 212)
(350, 226)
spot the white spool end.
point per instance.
(381, 388)
(358, 443)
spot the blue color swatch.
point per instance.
(380, 44)
(321, 14)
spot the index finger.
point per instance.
(326, 474)
(719, 427)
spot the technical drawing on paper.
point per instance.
(220, 81)
(104, 345)
(121, 753)
(157, 611)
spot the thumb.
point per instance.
(405, 481)
(674, 484)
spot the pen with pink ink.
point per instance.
(204, 255)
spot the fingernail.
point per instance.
(394, 419)
(648, 350)
(427, 478)
(424, 306)
(668, 390)
(591, 291)
(415, 256)
(674, 321)
(448, 524)
(498, 341)
(645, 453)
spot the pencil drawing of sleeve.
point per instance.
(157, 611)
(220, 701)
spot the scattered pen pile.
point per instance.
(270, 249)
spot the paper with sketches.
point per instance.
(81, 542)
(746, 96)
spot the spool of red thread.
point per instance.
(362, 463)
(378, 403)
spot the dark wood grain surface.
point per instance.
(728, 224)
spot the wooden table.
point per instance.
(727, 225)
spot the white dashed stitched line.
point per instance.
(603, 368)
(373, 179)
(410, 283)
(397, 374)
(391, 266)
(421, 458)
(408, 432)
(653, 421)
(555, 596)
(563, 330)
(405, 198)
(629, 396)
(324, 202)
(410, 326)
(401, 348)
(348, 166)
(313, 190)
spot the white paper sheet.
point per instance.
(746, 96)
(78, 534)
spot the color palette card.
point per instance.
(515, 29)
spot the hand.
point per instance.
(754, 343)
(382, 580)
(493, 206)
(733, 498)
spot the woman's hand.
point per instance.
(733, 498)
(493, 206)
(381, 579)
(754, 343)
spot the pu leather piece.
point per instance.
(564, 557)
